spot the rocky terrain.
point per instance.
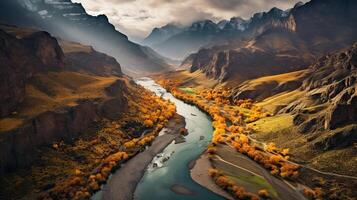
(32, 111)
(161, 34)
(317, 106)
(330, 87)
(310, 113)
(67, 111)
(71, 22)
(269, 43)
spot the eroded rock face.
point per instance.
(19, 60)
(333, 79)
(343, 112)
(329, 106)
(262, 56)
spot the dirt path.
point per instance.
(121, 186)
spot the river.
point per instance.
(170, 169)
(162, 175)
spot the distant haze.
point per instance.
(136, 18)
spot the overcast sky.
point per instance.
(136, 18)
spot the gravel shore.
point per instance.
(199, 173)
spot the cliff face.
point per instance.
(273, 52)
(20, 59)
(332, 81)
(322, 99)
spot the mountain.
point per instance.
(69, 21)
(188, 40)
(161, 34)
(202, 33)
(234, 24)
(279, 41)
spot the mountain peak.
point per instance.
(298, 4)
(203, 26)
(161, 34)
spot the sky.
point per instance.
(136, 18)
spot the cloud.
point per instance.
(137, 18)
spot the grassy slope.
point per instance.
(53, 90)
(281, 130)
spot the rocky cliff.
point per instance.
(330, 82)
(323, 99)
(273, 52)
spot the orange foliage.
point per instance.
(263, 193)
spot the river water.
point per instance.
(171, 168)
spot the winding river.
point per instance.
(171, 167)
(167, 177)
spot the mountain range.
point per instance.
(274, 43)
(294, 38)
(69, 21)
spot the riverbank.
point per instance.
(199, 173)
(123, 182)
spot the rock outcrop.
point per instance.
(331, 86)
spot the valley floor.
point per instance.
(315, 180)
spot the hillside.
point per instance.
(58, 97)
(70, 21)
(308, 116)
(314, 110)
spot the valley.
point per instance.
(229, 102)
